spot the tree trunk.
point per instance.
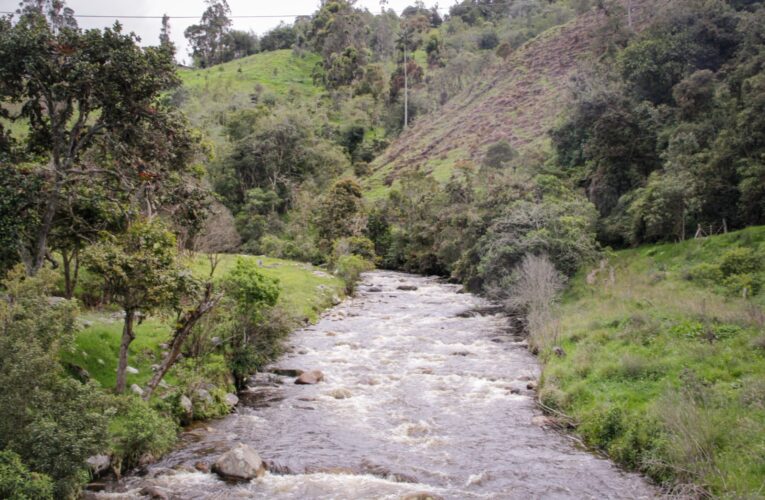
(182, 332)
(70, 275)
(40, 248)
(127, 338)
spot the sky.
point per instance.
(148, 29)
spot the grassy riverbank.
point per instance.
(305, 292)
(664, 364)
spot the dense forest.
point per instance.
(131, 185)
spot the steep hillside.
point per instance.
(517, 100)
(209, 94)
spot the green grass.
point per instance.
(304, 294)
(278, 71)
(665, 373)
(212, 93)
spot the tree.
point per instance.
(338, 32)
(164, 34)
(90, 103)
(53, 422)
(140, 271)
(340, 213)
(208, 38)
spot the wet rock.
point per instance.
(131, 370)
(461, 353)
(515, 390)
(99, 464)
(543, 421)
(331, 470)
(277, 468)
(407, 288)
(240, 464)
(286, 372)
(421, 495)
(202, 467)
(136, 389)
(341, 393)
(231, 400)
(532, 386)
(155, 493)
(558, 351)
(146, 459)
(310, 378)
(374, 289)
(331, 334)
(94, 486)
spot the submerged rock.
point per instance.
(407, 288)
(310, 378)
(155, 493)
(341, 393)
(240, 464)
(422, 495)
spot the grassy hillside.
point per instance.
(517, 100)
(305, 291)
(208, 94)
(664, 364)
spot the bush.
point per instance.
(349, 269)
(744, 285)
(740, 261)
(18, 483)
(354, 245)
(138, 431)
(706, 273)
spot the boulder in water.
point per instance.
(287, 372)
(310, 378)
(421, 495)
(407, 288)
(341, 393)
(155, 493)
(240, 464)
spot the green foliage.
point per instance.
(18, 483)
(660, 373)
(51, 421)
(250, 290)
(340, 212)
(137, 430)
(349, 269)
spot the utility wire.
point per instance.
(101, 16)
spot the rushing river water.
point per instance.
(421, 395)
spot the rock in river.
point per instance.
(240, 464)
(310, 378)
(407, 288)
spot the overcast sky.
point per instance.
(148, 29)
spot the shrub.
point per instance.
(706, 273)
(354, 245)
(488, 40)
(349, 269)
(18, 483)
(138, 431)
(740, 261)
(745, 285)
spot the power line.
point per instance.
(101, 16)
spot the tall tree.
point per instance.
(208, 38)
(90, 102)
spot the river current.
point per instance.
(425, 391)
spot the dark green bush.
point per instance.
(138, 431)
(18, 483)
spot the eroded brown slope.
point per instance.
(517, 100)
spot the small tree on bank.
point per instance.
(140, 272)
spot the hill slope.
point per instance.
(517, 100)
(209, 94)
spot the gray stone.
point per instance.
(231, 400)
(204, 395)
(99, 464)
(407, 288)
(310, 378)
(131, 370)
(136, 389)
(155, 493)
(240, 464)
(186, 404)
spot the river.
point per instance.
(424, 392)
